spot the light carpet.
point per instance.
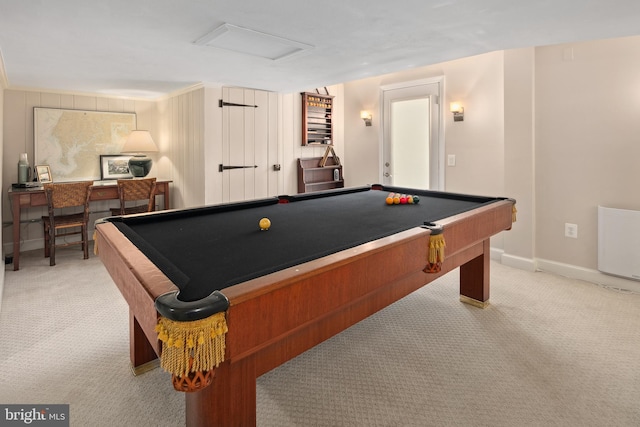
(548, 351)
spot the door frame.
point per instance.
(440, 80)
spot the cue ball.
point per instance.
(265, 223)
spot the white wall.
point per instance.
(519, 154)
(477, 142)
(587, 142)
(181, 142)
(554, 127)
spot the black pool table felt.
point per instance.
(207, 249)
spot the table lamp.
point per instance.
(138, 143)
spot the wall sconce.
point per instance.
(366, 116)
(458, 111)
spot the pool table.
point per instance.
(329, 260)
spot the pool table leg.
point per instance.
(474, 278)
(143, 355)
(230, 400)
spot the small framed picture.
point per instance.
(44, 173)
(114, 167)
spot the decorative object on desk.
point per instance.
(140, 142)
(23, 169)
(71, 141)
(43, 173)
(114, 167)
(26, 185)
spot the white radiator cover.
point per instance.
(619, 242)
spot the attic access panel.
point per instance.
(250, 42)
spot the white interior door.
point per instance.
(411, 136)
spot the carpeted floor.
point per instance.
(548, 351)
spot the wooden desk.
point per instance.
(35, 197)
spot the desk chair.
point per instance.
(132, 190)
(61, 224)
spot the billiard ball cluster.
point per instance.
(402, 199)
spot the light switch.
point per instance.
(451, 160)
(571, 230)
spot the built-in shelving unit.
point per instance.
(313, 177)
(317, 121)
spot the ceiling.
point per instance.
(146, 48)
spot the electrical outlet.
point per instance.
(571, 230)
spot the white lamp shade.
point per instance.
(455, 107)
(139, 141)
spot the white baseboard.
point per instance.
(588, 275)
(25, 245)
(518, 262)
(38, 244)
(566, 270)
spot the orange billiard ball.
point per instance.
(265, 223)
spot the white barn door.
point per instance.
(249, 144)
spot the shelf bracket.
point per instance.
(232, 104)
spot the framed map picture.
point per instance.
(72, 141)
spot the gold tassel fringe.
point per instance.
(514, 213)
(436, 248)
(202, 341)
